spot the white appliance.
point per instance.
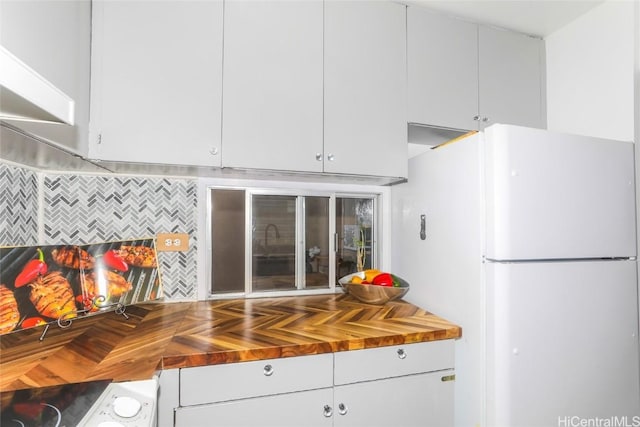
(530, 246)
(126, 404)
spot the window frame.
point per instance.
(298, 190)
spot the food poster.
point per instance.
(42, 284)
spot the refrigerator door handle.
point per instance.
(423, 226)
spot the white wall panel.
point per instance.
(590, 73)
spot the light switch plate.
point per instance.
(172, 242)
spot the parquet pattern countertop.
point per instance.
(177, 335)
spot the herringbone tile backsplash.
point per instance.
(19, 206)
(83, 209)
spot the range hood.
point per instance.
(27, 96)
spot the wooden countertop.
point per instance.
(177, 335)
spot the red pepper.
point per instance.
(383, 279)
(113, 259)
(31, 322)
(31, 271)
(87, 302)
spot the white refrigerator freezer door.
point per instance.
(557, 196)
(562, 342)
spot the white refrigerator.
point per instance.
(527, 239)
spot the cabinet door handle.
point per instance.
(476, 118)
(319, 157)
(268, 370)
(485, 119)
(401, 353)
(342, 409)
(214, 151)
(328, 411)
(331, 157)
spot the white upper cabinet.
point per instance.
(511, 86)
(467, 76)
(52, 38)
(442, 70)
(157, 82)
(273, 85)
(365, 91)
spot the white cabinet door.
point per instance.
(273, 85)
(299, 409)
(157, 82)
(442, 58)
(511, 89)
(414, 400)
(365, 93)
(53, 38)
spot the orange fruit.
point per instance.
(370, 274)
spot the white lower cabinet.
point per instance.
(405, 385)
(412, 400)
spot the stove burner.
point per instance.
(49, 406)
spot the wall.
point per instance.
(80, 209)
(590, 73)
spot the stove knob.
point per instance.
(126, 406)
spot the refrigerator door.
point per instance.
(557, 196)
(562, 342)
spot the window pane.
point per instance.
(227, 240)
(274, 242)
(316, 220)
(354, 225)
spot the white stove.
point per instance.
(100, 403)
(127, 404)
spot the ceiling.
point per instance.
(535, 17)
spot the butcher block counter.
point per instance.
(188, 334)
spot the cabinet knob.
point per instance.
(476, 118)
(331, 157)
(268, 370)
(342, 409)
(214, 151)
(485, 119)
(401, 353)
(328, 411)
(319, 157)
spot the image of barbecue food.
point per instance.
(52, 296)
(9, 315)
(106, 283)
(73, 257)
(139, 256)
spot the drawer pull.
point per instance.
(401, 353)
(342, 409)
(328, 411)
(448, 378)
(268, 370)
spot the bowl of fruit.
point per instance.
(374, 286)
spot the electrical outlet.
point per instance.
(172, 242)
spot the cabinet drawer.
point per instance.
(301, 409)
(208, 384)
(392, 361)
